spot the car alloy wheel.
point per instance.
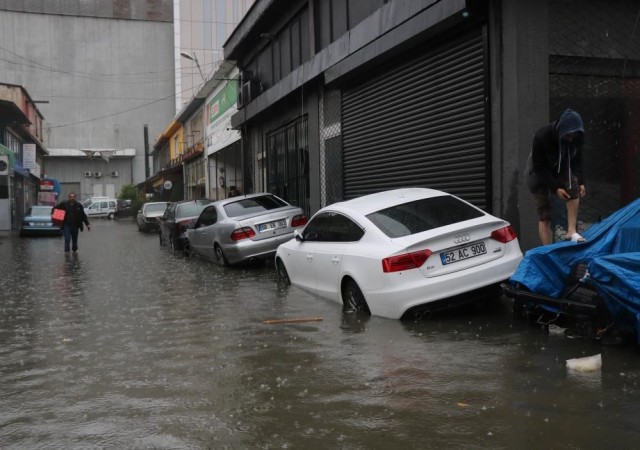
(283, 275)
(353, 299)
(222, 260)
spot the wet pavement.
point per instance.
(126, 345)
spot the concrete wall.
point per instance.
(72, 170)
(520, 105)
(103, 78)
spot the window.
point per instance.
(159, 207)
(422, 215)
(104, 204)
(189, 210)
(208, 217)
(253, 205)
(332, 227)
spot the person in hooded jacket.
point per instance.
(555, 168)
(73, 219)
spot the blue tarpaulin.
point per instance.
(617, 279)
(543, 270)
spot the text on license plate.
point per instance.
(463, 253)
(272, 225)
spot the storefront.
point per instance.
(194, 173)
(224, 168)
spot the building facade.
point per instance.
(21, 154)
(201, 28)
(339, 99)
(105, 70)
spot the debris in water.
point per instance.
(292, 320)
(586, 364)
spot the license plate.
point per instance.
(272, 225)
(463, 253)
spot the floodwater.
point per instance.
(126, 345)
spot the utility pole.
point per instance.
(146, 159)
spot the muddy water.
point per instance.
(126, 345)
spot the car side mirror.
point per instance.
(298, 236)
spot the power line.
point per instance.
(119, 112)
(98, 76)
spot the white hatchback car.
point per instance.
(400, 253)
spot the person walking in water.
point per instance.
(73, 219)
(554, 167)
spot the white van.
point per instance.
(90, 200)
(101, 207)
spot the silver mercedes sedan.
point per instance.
(242, 228)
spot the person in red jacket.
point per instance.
(555, 168)
(73, 219)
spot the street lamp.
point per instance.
(193, 58)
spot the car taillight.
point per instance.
(242, 233)
(405, 262)
(182, 225)
(504, 235)
(299, 221)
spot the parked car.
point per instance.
(124, 209)
(401, 253)
(37, 222)
(243, 228)
(175, 220)
(149, 215)
(101, 208)
(86, 203)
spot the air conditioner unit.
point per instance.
(97, 174)
(4, 165)
(88, 174)
(114, 173)
(248, 88)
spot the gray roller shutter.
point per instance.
(422, 122)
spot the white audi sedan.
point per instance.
(401, 253)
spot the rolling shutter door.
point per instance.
(423, 123)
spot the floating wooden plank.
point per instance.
(292, 320)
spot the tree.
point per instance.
(128, 192)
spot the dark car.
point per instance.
(176, 219)
(37, 222)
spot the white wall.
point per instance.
(103, 78)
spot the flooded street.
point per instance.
(126, 345)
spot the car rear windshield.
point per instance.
(189, 209)
(40, 211)
(253, 205)
(160, 207)
(422, 215)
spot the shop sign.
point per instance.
(46, 185)
(29, 156)
(223, 100)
